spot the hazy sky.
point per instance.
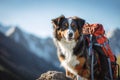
(34, 16)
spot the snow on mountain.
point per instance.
(4, 29)
(43, 48)
(110, 33)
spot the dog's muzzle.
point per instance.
(70, 35)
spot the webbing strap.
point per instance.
(101, 45)
(99, 36)
(92, 56)
(110, 69)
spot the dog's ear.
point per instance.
(56, 22)
(80, 21)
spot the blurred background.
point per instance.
(26, 45)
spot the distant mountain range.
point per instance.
(44, 48)
(24, 56)
(19, 60)
(114, 40)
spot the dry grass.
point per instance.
(118, 61)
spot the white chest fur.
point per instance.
(70, 60)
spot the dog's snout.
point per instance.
(70, 34)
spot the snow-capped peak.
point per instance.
(10, 31)
(110, 33)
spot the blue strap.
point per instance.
(104, 44)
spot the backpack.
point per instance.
(98, 32)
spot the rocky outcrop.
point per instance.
(53, 75)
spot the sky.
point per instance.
(34, 16)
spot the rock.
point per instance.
(53, 75)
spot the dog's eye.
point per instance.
(73, 26)
(66, 24)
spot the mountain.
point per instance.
(18, 63)
(44, 48)
(115, 41)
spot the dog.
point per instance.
(67, 37)
(71, 47)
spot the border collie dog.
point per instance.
(70, 45)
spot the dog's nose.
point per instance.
(70, 34)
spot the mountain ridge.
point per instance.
(33, 43)
(17, 63)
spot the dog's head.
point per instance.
(67, 28)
